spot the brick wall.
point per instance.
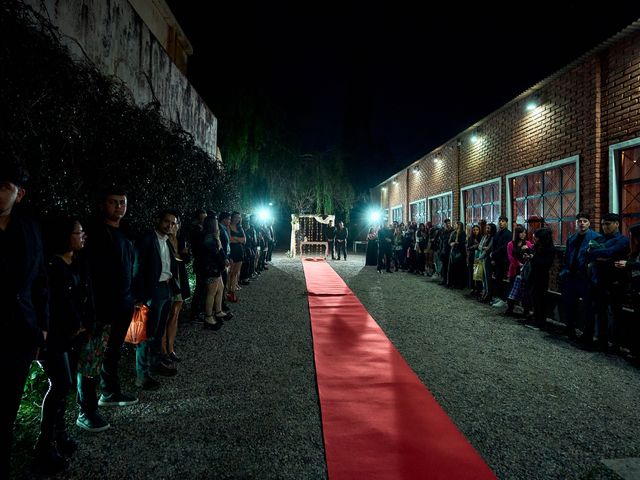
(582, 111)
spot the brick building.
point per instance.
(570, 143)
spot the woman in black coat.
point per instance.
(178, 242)
(540, 260)
(457, 274)
(372, 248)
(71, 315)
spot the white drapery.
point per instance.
(295, 227)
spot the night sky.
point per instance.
(388, 83)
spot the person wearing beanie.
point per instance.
(608, 282)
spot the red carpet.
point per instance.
(379, 421)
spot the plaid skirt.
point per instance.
(518, 289)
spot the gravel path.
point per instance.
(532, 404)
(245, 405)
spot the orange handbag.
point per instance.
(137, 331)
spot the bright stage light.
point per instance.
(375, 216)
(264, 214)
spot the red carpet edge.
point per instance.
(379, 420)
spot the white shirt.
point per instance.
(165, 257)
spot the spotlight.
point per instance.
(532, 105)
(264, 214)
(374, 216)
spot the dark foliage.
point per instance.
(79, 131)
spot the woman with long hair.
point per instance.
(212, 265)
(237, 239)
(181, 252)
(473, 242)
(72, 316)
(457, 274)
(422, 240)
(541, 258)
(372, 248)
(486, 243)
(515, 250)
(398, 237)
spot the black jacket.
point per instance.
(111, 258)
(499, 248)
(540, 265)
(148, 267)
(71, 302)
(25, 297)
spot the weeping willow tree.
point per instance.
(314, 183)
(269, 165)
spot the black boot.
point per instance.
(66, 445)
(47, 459)
(87, 396)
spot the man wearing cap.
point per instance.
(574, 278)
(23, 296)
(608, 282)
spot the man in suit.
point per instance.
(330, 236)
(154, 285)
(23, 296)
(342, 234)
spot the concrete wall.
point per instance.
(114, 37)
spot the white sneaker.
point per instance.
(499, 304)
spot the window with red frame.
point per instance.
(548, 194)
(440, 208)
(482, 203)
(629, 187)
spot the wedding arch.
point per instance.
(307, 234)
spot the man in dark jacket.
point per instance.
(330, 237)
(342, 235)
(154, 285)
(196, 239)
(23, 296)
(110, 256)
(500, 262)
(574, 278)
(608, 282)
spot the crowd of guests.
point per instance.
(70, 293)
(599, 276)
